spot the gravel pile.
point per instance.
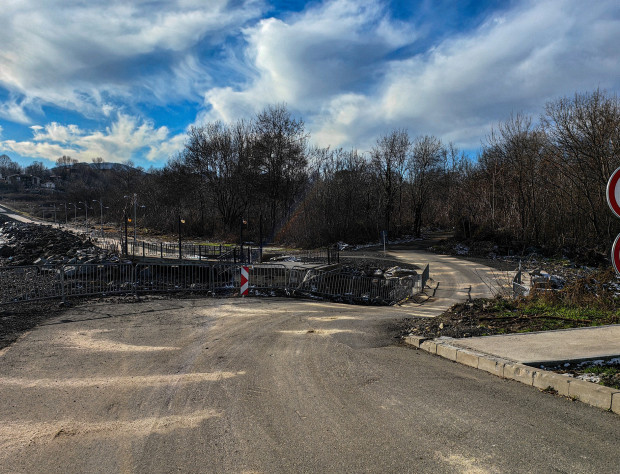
(32, 244)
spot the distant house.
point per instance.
(49, 185)
(14, 178)
(26, 180)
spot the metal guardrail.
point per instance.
(30, 283)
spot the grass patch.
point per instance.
(588, 301)
(602, 370)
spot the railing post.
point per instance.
(135, 280)
(143, 249)
(212, 278)
(161, 250)
(62, 283)
(199, 254)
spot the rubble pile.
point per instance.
(32, 244)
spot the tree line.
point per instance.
(534, 183)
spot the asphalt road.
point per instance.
(277, 385)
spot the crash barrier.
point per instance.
(30, 283)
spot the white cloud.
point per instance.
(72, 54)
(347, 67)
(120, 141)
(13, 111)
(328, 49)
(332, 63)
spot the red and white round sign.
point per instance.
(613, 192)
(615, 255)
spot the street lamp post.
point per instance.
(241, 226)
(74, 210)
(101, 206)
(181, 221)
(86, 218)
(135, 206)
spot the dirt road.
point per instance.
(275, 385)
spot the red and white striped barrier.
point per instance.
(245, 278)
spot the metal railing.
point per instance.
(334, 283)
(220, 253)
(324, 255)
(30, 283)
(90, 280)
(170, 250)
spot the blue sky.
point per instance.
(124, 79)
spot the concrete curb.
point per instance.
(586, 392)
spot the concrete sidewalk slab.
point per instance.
(548, 346)
(507, 356)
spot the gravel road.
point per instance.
(276, 385)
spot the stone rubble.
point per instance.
(33, 244)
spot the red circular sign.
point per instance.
(613, 192)
(615, 255)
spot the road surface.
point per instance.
(277, 385)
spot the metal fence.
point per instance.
(29, 283)
(325, 255)
(170, 250)
(220, 253)
(334, 283)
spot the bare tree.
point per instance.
(584, 135)
(424, 169)
(279, 156)
(389, 157)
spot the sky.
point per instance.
(123, 80)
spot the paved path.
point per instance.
(15, 216)
(548, 346)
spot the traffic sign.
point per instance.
(613, 192)
(245, 277)
(615, 255)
